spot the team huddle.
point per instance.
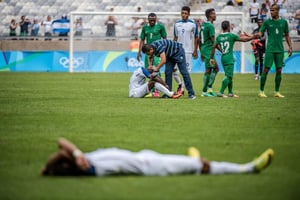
(176, 55)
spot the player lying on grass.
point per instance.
(138, 87)
(70, 161)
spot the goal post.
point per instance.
(168, 18)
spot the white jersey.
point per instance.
(186, 32)
(47, 26)
(138, 87)
(114, 161)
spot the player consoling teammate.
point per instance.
(70, 161)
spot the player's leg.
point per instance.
(169, 66)
(212, 79)
(256, 76)
(279, 63)
(257, 165)
(225, 81)
(177, 79)
(140, 91)
(181, 63)
(268, 62)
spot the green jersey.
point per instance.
(276, 29)
(226, 42)
(207, 31)
(153, 33)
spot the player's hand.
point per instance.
(212, 61)
(202, 58)
(290, 51)
(195, 54)
(138, 57)
(82, 162)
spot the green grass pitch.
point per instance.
(93, 110)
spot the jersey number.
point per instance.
(225, 47)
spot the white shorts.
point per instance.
(188, 58)
(139, 92)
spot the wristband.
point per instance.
(77, 153)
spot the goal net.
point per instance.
(93, 34)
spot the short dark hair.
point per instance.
(186, 8)
(225, 25)
(208, 12)
(146, 48)
(152, 15)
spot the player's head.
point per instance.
(260, 21)
(274, 10)
(210, 14)
(152, 19)
(61, 166)
(148, 49)
(225, 26)
(185, 12)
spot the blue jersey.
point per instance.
(170, 47)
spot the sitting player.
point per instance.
(138, 87)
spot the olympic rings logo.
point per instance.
(64, 61)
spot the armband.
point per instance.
(77, 153)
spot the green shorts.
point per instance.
(277, 58)
(156, 61)
(207, 63)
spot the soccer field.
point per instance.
(93, 110)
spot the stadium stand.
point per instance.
(14, 9)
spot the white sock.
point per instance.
(230, 168)
(163, 89)
(177, 77)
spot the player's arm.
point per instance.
(142, 42)
(163, 60)
(73, 151)
(212, 53)
(288, 41)
(246, 37)
(196, 44)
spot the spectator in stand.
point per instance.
(254, 11)
(34, 28)
(61, 26)
(24, 24)
(111, 23)
(297, 17)
(135, 27)
(268, 4)
(12, 28)
(47, 28)
(263, 12)
(78, 27)
(239, 2)
(279, 2)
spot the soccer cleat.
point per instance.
(221, 95)
(263, 161)
(233, 95)
(277, 94)
(180, 89)
(206, 94)
(149, 95)
(261, 94)
(156, 94)
(256, 77)
(176, 95)
(211, 92)
(192, 97)
(194, 152)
